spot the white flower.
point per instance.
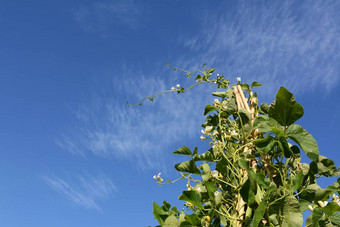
(216, 193)
(198, 188)
(217, 101)
(188, 204)
(310, 207)
(208, 128)
(239, 79)
(322, 203)
(214, 173)
(215, 133)
(159, 175)
(218, 74)
(178, 85)
(234, 133)
(173, 88)
(203, 138)
(202, 131)
(154, 177)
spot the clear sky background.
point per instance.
(72, 152)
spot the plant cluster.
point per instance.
(252, 174)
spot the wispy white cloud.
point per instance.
(294, 44)
(141, 134)
(84, 191)
(102, 15)
(290, 43)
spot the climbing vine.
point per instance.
(252, 174)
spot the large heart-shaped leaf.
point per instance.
(285, 109)
(305, 140)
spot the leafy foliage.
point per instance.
(258, 179)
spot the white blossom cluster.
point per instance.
(158, 178)
(214, 174)
(206, 131)
(335, 199)
(175, 88)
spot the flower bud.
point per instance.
(203, 138)
(208, 128)
(310, 207)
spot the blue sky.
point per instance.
(73, 153)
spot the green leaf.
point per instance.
(284, 145)
(265, 124)
(188, 167)
(289, 209)
(211, 188)
(206, 172)
(335, 218)
(326, 167)
(208, 109)
(305, 140)
(243, 164)
(171, 221)
(279, 132)
(159, 213)
(230, 107)
(247, 194)
(185, 224)
(259, 212)
(182, 217)
(218, 198)
(265, 145)
(192, 197)
(221, 94)
(245, 86)
(308, 193)
(261, 180)
(193, 219)
(264, 108)
(303, 205)
(166, 206)
(261, 123)
(245, 116)
(323, 194)
(297, 181)
(175, 210)
(316, 216)
(330, 208)
(291, 212)
(183, 151)
(195, 151)
(206, 156)
(309, 222)
(255, 84)
(249, 188)
(285, 109)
